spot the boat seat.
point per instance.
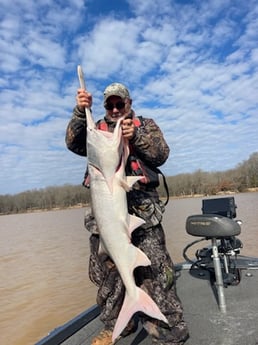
(212, 226)
(216, 224)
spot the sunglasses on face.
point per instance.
(119, 105)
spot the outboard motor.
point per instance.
(217, 224)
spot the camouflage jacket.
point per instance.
(148, 145)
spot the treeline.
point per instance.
(243, 177)
(44, 199)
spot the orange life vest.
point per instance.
(103, 125)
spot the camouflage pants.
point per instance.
(157, 280)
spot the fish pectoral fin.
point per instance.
(134, 223)
(124, 185)
(141, 302)
(131, 180)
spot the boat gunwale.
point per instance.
(58, 335)
(65, 331)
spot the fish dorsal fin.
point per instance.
(134, 223)
(102, 250)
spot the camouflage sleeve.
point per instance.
(76, 133)
(149, 144)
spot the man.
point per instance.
(148, 151)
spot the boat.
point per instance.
(217, 287)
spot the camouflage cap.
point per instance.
(116, 89)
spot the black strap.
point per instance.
(165, 184)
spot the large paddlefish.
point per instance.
(107, 154)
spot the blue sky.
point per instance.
(190, 65)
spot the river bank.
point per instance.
(82, 205)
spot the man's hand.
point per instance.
(83, 99)
(128, 129)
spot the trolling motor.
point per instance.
(216, 224)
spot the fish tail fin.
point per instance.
(143, 303)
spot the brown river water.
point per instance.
(44, 262)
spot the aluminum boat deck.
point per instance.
(207, 325)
